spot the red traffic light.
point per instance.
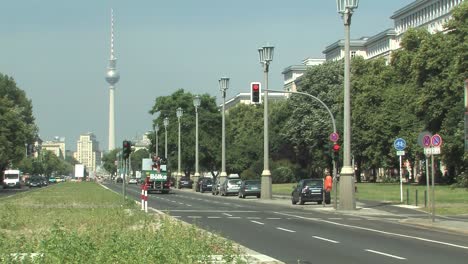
(255, 87)
(336, 148)
(255, 90)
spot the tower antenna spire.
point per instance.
(112, 36)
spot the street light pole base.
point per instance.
(222, 177)
(195, 181)
(266, 192)
(347, 199)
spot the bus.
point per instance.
(12, 179)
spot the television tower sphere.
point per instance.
(112, 76)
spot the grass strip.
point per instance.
(84, 223)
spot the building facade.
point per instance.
(291, 73)
(428, 14)
(56, 146)
(87, 151)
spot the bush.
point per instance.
(462, 180)
(283, 175)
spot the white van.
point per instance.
(12, 179)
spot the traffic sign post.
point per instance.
(400, 144)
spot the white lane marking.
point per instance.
(378, 231)
(354, 219)
(180, 203)
(273, 218)
(326, 239)
(214, 217)
(384, 254)
(234, 217)
(256, 222)
(188, 205)
(193, 216)
(335, 218)
(253, 217)
(287, 230)
(213, 211)
(226, 214)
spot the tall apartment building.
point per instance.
(56, 146)
(87, 151)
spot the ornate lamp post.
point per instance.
(179, 113)
(196, 104)
(166, 123)
(347, 199)
(266, 56)
(223, 86)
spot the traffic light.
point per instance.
(126, 149)
(255, 91)
(336, 151)
(30, 150)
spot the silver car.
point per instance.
(230, 186)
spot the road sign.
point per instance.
(421, 136)
(436, 140)
(427, 141)
(399, 144)
(400, 152)
(334, 137)
(432, 151)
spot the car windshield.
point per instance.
(313, 183)
(11, 176)
(252, 183)
(208, 181)
(234, 182)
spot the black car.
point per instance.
(250, 188)
(35, 182)
(185, 182)
(204, 184)
(309, 190)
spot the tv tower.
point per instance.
(112, 77)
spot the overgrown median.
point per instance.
(84, 223)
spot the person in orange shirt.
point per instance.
(328, 181)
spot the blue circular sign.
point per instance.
(399, 144)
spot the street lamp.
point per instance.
(156, 129)
(266, 56)
(223, 86)
(196, 103)
(179, 115)
(347, 199)
(166, 123)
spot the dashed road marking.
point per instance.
(214, 217)
(273, 218)
(226, 214)
(384, 254)
(326, 239)
(287, 230)
(256, 222)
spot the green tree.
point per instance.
(18, 127)
(209, 135)
(108, 161)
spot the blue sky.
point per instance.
(58, 51)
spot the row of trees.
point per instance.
(420, 89)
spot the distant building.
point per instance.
(142, 142)
(87, 151)
(56, 146)
(291, 73)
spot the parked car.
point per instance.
(44, 180)
(35, 181)
(204, 184)
(133, 181)
(230, 186)
(309, 190)
(216, 186)
(250, 188)
(185, 182)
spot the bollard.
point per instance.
(425, 198)
(407, 196)
(416, 197)
(146, 199)
(142, 197)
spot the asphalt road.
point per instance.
(303, 234)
